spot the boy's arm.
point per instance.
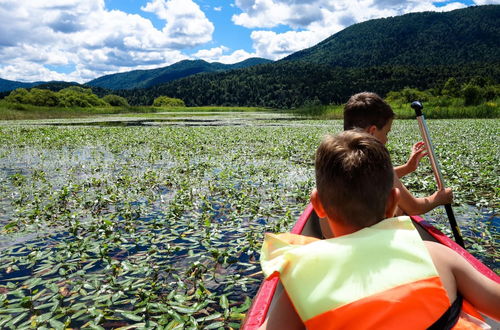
(412, 205)
(479, 290)
(418, 151)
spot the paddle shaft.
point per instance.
(424, 131)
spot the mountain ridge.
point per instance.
(417, 50)
(377, 42)
(147, 78)
(428, 54)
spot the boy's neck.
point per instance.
(341, 229)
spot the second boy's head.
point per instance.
(354, 180)
(369, 112)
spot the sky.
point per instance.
(80, 40)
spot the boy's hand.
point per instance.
(443, 196)
(418, 151)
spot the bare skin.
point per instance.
(408, 203)
(412, 205)
(458, 275)
(418, 151)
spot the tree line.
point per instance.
(295, 84)
(80, 97)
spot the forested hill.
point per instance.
(419, 50)
(457, 37)
(8, 85)
(148, 78)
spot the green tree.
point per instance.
(75, 96)
(115, 100)
(42, 97)
(491, 92)
(407, 95)
(35, 96)
(165, 101)
(472, 94)
(17, 96)
(451, 88)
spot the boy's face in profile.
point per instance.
(381, 134)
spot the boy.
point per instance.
(372, 114)
(375, 273)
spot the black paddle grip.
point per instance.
(417, 106)
(454, 226)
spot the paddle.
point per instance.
(424, 131)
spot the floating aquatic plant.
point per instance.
(161, 226)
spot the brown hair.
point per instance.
(354, 177)
(366, 109)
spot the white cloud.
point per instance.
(487, 2)
(271, 45)
(311, 21)
(218, 54)
(186, 25)
(212, 53)
(30, 72)
(85, 35)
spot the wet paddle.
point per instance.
(424, 131)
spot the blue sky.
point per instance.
(79, 40)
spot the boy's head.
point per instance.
(354, 178)
(369, 112)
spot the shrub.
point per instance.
(451, 88)
(42, 97)
(165, 101)
(472, 94)
(408, 95)
(36, 96)
(115, 100)
(75, 96)
(17, 96)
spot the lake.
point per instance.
(157, 220)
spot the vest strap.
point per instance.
(450, 317)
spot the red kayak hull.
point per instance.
(257, 313)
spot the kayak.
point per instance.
(267, 301)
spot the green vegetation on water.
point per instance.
(109, 227)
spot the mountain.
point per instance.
(8, 85)
(451, 38)
(418, 50)
(148, 78)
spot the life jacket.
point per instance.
(380, 277)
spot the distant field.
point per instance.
(403, 111)
(23, 111)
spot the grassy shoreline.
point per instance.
(404, 111)
(9, 111)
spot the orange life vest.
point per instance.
(381, 277)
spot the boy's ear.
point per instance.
(392, 203)
(371, 129)
(316, 203)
